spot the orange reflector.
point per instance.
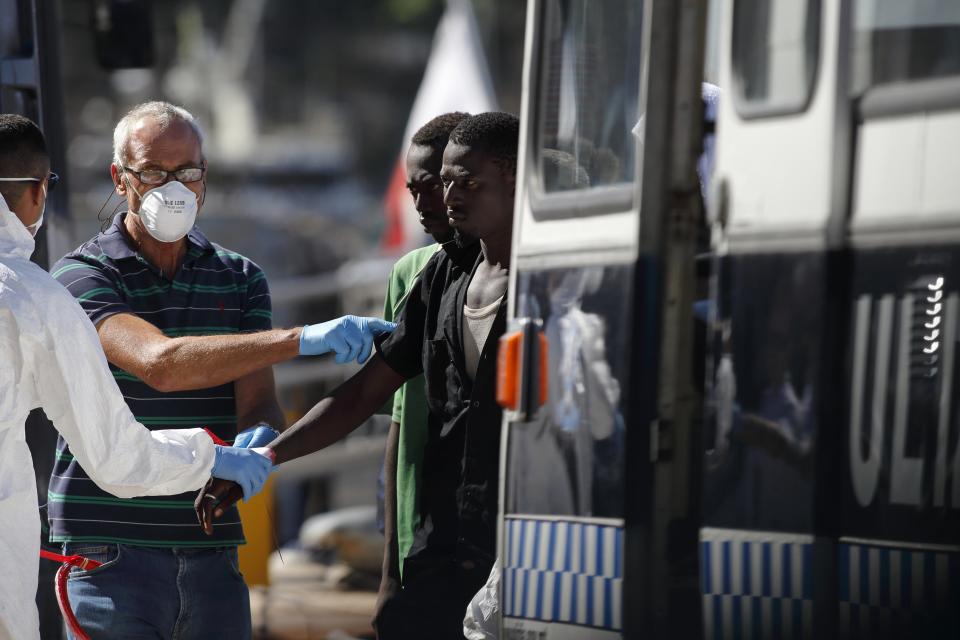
(508, 371)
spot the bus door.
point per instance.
(899, 551)
(772, 437)
(584, 302)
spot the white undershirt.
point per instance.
(476, 328)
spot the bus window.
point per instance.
(568, 460)
(589, 90)
(16, 30)
(775, 53)
(896, 41)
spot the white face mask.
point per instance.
(35, 227)
(168, 211)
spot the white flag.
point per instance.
(456, 79)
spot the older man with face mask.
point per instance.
(51, 358)
(186, 327)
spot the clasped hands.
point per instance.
(242, 479)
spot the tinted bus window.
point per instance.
(568, 460)
(590, 84)
(896, 41)
(775, 52)
(16, 30)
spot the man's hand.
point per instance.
(351, 337)
(259, 435)
(213, 500)
(248, 467)
(388, 588)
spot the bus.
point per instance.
(731, 407)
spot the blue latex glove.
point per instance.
(259, 435)
(246, 467)
(351, 337)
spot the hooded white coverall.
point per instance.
(50, 357)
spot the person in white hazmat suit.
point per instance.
(50, 357)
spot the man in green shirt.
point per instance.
(408, 429)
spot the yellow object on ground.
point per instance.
(257, 517)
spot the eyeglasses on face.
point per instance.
(159, 176)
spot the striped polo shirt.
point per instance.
(216, 292)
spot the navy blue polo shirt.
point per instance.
(216, 292)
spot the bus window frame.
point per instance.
(909, 97)
(591, 201)
(752, 111)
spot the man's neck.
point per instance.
(166, 256)
(496, 249)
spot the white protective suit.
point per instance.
(50, 357)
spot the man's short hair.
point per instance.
(494, 133)
(163, 113)
(436, 132)
(23, 154)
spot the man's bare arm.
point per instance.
(195, 362)
(339, 413)
(327, 422)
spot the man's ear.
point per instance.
(36, 193)
(118, 184)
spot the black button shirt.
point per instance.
(461, 460)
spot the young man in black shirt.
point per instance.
(449, 330)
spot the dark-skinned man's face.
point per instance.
(478, 196)
(424, 184)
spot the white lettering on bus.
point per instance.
(866, 472)
(867, 449)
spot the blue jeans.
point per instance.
(160, 594)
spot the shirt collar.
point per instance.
(116, 244)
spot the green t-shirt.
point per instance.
(409, 407)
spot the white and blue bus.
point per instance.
(782, 461)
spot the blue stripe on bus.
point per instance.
(786, 573)
(589, 581)
(608, 604)
(884, 577)
(725, 559)
(746, 567)
(539, 607)
(557, 584)
(583, 549)
(573, 599)
(767, 569)
(551, 547)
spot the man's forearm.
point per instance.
(200, 362)
(339, 413)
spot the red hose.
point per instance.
(60, 586)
